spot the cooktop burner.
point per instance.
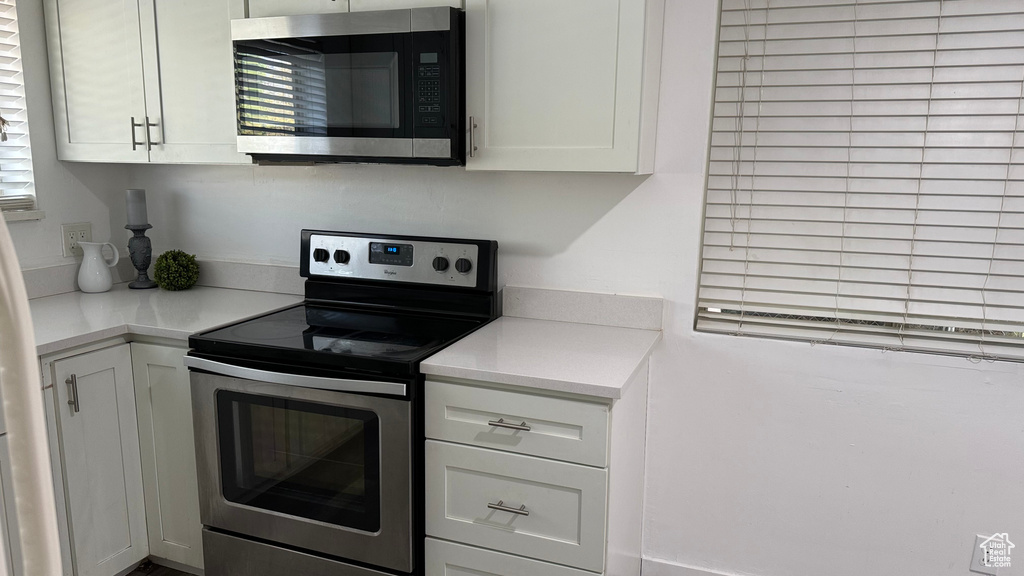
(375, 306)
(316, 328)
(323, 335)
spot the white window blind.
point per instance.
(866, 175)
(17, 191)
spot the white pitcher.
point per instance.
(94, 275)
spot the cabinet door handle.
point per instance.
(149, 139)
(472, 137)
(500, 423)
(522, 511)
(72, 383)
(134, 126)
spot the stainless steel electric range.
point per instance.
(309, 419)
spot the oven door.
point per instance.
(317, 469)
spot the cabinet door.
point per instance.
(164, 403)
(96, 79)
(102, 475)
(261, 8)
(189, 71)
(554, 85)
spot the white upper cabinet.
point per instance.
(562, 85)
(143, 80)
(96, 79)
(261, 8)
(189, 73)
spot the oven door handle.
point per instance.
(317, 382)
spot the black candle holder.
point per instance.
(140, 249)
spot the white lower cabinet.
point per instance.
(522, 482)
(523, 505)
(450, 559)
(99, 447)
(119, 417)
(164, 407)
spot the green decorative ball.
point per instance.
(176, 270)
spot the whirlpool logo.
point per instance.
(390, 272)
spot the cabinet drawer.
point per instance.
(564, 504)
(451, 559)
(562, 429)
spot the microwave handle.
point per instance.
(317, 382)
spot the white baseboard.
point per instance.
(655, 567)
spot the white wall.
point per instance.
(66, 192)
(765, 458)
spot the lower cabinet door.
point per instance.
(450, 559)
(543, 509)
(99, 441)
(163, 400)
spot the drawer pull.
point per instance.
(500, 423)
(522, 511)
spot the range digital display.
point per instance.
(391, 254)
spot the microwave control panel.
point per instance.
(430, 84)
(428, 91)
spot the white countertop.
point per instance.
(77, 318)
(566, 357)
(559, 356)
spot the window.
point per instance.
(866, 175)
(17, 190)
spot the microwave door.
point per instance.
(338, 95)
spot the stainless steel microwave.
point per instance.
(385, 86)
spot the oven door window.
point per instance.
(314, 461)
(339, 86)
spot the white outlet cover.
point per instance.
(978, 556)
(80, 231)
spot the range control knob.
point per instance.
(321, 255)
(341, 256)
(463, 265)
(440, 263)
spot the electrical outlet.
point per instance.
(72, 234)
(979, 559)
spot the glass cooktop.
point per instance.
(336, 338)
